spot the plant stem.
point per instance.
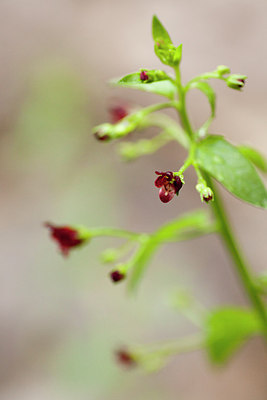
(224, 226)
(171, 348)
(237, 257)
(182, 109)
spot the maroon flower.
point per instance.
(117, 113)
(125, 358)
(143, 76)
(65, 236)
(169, 185)
(117, 276)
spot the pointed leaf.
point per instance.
(254, 156)
(159, 32)
(227, 329)
(227, 164)
(164, 87)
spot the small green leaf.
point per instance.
(227, 164)
(161, 83)
(254, 156)
(159, 32)
(227, 329)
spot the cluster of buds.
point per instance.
(169, 185)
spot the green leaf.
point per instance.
(164, 48)
(254, 156)
(159, 32)
(227, 164)
(227, 329)
(163, 86)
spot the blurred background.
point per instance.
(61, 319)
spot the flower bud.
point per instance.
(144, 76)
(109, 255)
(125, 358)
(206, 194)
(236, 81)
(117, 275)
(222, 70)
(103, 138)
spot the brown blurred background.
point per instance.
(61, 319)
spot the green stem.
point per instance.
(182, 106)
(160, 106)
(224, 226)
(239, 261)
(94, 232)
(182, 345)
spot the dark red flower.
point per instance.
(169, 185)
(125, 358)
(117, 113)
(117, 276)
(65, 236)
(143, 76)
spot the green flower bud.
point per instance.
(223, 69)
(206, 194)
(236, 81)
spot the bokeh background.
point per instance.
(62, 319)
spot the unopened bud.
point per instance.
(125, 358)
(222, 70)
(117, 275)
(236, 81)
(206, 194)
(144, 76)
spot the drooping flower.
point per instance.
(169, 185)
(65, 236)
